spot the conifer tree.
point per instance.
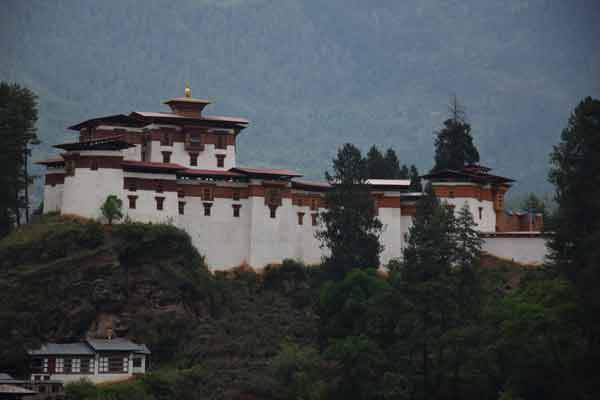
(415, 180)
(351, 229)
(392, 164)
(574, 243)
(376, 164)
(454, 144)
(18, 116)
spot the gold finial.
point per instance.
(188, 91)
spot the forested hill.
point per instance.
(311, 75)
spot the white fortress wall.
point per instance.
(391, 236)
(522, 249)
(53, 197)
(487, 221)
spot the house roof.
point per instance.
(152, 115)
(116, 119)
(117, 344)
(62, 348)
(266, 172)
(6, 377)
(108, 143)
(12, 389)
(303, 184)
(51, 162)
(210, 173)
(147, 166)
(469, 173)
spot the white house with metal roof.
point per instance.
(96, 360)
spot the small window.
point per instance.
(236, 210)
(159, 187)
(220, 160)
(94, 166)
(315, 219)
(59, 366)
(103, 364)
(273, 211)
(181, 193)
(181, 205)
(236, 194)
(207, 194)
(207, 207)
(480, 212)
(221, 142)
(75, 365)
(166, 139)
(314, 204)
(194, 159)
(143, 155)
(166, 156)
(159, 203)
(132, 201)
(451, 194)
(300, 218)
(133, 186)
(137, 362)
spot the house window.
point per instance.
(94, 166)
(87, 365)
(118, 364)
(137, 362)
(132, 201)
(236, 210)
(300, 218)
(480, 212)
(314, 204)
(194, 159)
(220, 142)
(76, 365)
(70, 168)
(59, 366)
(181, 207)
(236, 194)
(220, 160)
(181, 193)
(143, 155)
(133, 186)
(166, 156)
(159, 187)
(103, 364)
(314, 217)
(273, 211)
(451, 194)
(207, 207)
(166, 139)
(159, 202)
(207, 194)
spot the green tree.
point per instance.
(575, 169)
(376, 164)
(18, 117)
(454, 144)
(392, 164)
(112, 209)
(415, 180)
(298, 371)
(351, 229)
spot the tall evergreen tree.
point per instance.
(351, 229)
(415, 180)
(376, 164)
(575, 172)
(18, 117)
(454, 144)
(392, 164)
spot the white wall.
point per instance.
(53, 197)
(391, 236)
(487, 222)
(526, 250)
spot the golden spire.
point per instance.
(188, 91)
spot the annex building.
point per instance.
(179, 167)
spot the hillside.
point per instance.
(64, 278)
(312, 75)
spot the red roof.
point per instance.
(266, 172)
(210, 172)
(105, 143)
(147, 165)
(211, 118)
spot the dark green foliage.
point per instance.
(454, 146)
(575, 168)
(18, 117)
(112, 209)
(298, 370)
(350, 227)
(415, 180)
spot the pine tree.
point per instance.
(454, 144)
(574, 243)
(376, 165)
(392, 164)
(351, 229)
(415, 180)
(18, 116)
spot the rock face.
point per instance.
(64, 279)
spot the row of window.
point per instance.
(166, 155)
(194, 139)
(160, 201)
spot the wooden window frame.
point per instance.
(132, 201)
(236, 210)
(272, 211)
(194, 159)
(221, 142)
(314, 219)
(300, 218)
(166, 156)
(236, 194)
(160, 203)
(480, 213)
(181, 207)
(220, 160)
(207, 209)
(94, 165)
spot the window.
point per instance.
(236, 210)
(94, 166)
(207, 194)
(103, 364)
(159, 202)
(236, 194)
(70, 168)
(132, 201)
(314, 204)
(87, 365)
(166, 156)
(300, 218)
(273, 211)
(194, 159)
(181, 207)
(220, 160)
(166, 139)
(137, 362)
(181, 193)
(143, 155)
(159, 187)
(221, 142)
(76, 365)
(132, 185)
(59, 366)
(207, 207)
(451, 194)
(480, 212)
(314, 219)
(118, 364)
